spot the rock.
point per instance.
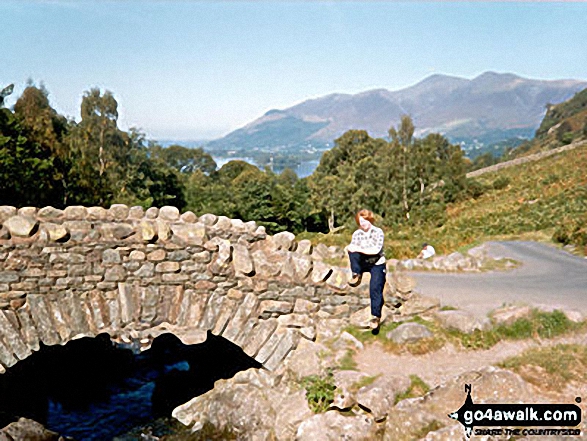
(378, 398)
(163, 229)
(462, 321)
(147, 231)
(49, 213)
(244, 404)
(152, 213)
(243, 263)
(136, 213)
(7, 212)
(320, 272)
(332, 426)
(118, 211)
(408, 333)
(25, 429)
(208, 219)
(191, 234)
(361, 318)
(343, 399)
(509, 314)
(96, 213)
(223, 223)
(169, 213)
(189, 217)
(339, 278)
(304, 247)
(56, 232)
(113, 231)
(27, 212)
(290, 412)
(419, 304)
(305, 360)
(76, 212)
(111, 256)
(320, 252)
(21, 226)
(403, 283)
(285, 241)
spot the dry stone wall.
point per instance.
(123, 270)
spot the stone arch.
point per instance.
(129, 272)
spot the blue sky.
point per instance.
(191, 70)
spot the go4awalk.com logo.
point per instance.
(518, 419)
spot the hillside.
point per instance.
(544, 200)
(563, 123)
(488, 108)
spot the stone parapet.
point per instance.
(82, 271)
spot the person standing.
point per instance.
(366, 255)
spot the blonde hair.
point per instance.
(365, 214)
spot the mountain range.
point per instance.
(492, 106)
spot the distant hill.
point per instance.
(563, 124)
(487, 109)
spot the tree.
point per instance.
(47, 128)
(98, 150)
(403, 137)
(26, 169)
(183, 159)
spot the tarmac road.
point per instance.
(547, 276)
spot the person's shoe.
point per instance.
(355, 280)
(374, 323)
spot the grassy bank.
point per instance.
(538, 201)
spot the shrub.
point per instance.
(319, 391)
(500, 183)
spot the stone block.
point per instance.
(243, 263)
(12, 338)
(118, 212)
(241, 316)
(75, 212)
(97, 214)
(258, 336)
(49, 213)
(191, 234)
(169, 213)
(20, 226)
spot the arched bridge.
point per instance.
(81, 271)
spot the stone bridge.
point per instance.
(81, 271)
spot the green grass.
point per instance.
(539, 324)
(541, 198)
(319, 391)
(558, 365)
(365, 381)
(348, 363)
(418, 388)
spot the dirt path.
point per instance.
(438, 367)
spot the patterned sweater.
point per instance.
(370, 242)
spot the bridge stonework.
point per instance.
(82, 271)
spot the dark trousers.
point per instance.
(359, 265)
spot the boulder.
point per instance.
(246, 404)
(25, 429)
(169, 213)
(332, 426)
(118, 211)
(20, 226)
(462, 321)
(509, 314)
(285, 241)
(408, 333)
(378, 398)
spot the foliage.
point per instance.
(405, 180)
(27, 171)
(319, 391)
(551, 368)
(417, 388)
